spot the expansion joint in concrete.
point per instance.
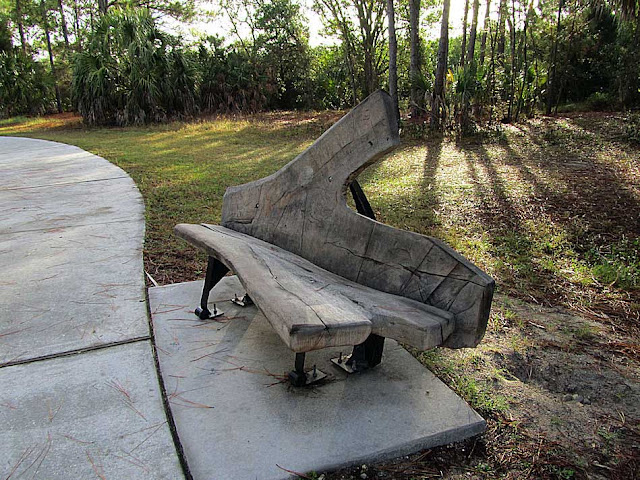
(165, 398)
(74, 352)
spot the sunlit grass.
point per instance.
(538, 207)
(182, 170)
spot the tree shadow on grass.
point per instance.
(395, 186)
(430, 186)
(501, 222)
(595, 201)
(560, 215)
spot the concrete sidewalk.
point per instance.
(79, 393)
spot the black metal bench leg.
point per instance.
(216, 270)
(366, 355)
(297, 377)
(363, 206)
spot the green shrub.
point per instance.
(26, 86)
(600, 101)
(229, 83)
(632, 128)
(131, 73)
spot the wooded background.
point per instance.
(116, 63)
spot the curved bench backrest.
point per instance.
(302, 208)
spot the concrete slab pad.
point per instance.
(71, 254)
(9, 146)
(71, 288)
(28, 163)
(73, 204)
(237, 419)
(95, 415)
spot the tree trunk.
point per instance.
(103, 5)
(512, 72)
(562, 79)
(525, 67)
(465, 121)
(366, 13)
(23, 43)
(501, 31)
(483, 43)
(464, 32)
(631, 93)
(437, 100)
(393, 58)
(414, 61)
(471, 48)
(76, 23)
(352, 73)
(552, 65)
(63, 21)
(45, 26)
(492, 68)
(339, 17)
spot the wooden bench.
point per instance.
(325, 275)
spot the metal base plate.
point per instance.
(245, 301)
(341, 362)
(295, 379)
(320, 375)
(215, 314)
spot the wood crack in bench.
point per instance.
(324, 275)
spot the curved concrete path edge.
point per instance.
(79, 391)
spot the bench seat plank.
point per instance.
(311, 308)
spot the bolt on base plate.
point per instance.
(245, 301)
(311, 377)
(341, 362)
(206, 314)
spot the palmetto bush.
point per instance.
(229, 81)
(26, 86)
(131, 73)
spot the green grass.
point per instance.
(7, 122)
(478, 393)
(546, 210)
(182, 170)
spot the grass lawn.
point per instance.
(550, 208)
(183, 169)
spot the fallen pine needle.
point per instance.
(190, 403)
(99, 473)
(153, 280)
(301, 475)
(76, 440)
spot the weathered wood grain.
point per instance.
(311, 308)
(302, 209)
